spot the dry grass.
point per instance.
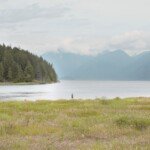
(91, 124)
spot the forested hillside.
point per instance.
(18, 65)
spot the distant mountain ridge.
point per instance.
(112, 65)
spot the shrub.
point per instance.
(137, 123)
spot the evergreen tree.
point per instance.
(20, 74)
(29, 72)
(38, 73)
(18, 65)
(9, 76)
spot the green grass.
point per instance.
(137, 123)
(75, 124)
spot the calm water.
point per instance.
(80, 89)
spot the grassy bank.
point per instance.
(97, 124)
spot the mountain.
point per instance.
(66, 63)
(115, 65)
(18, 65)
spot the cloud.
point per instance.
(79, 26)
(30, 12)
(131, 42)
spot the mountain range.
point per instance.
(109, 65)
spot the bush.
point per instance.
(137, 123)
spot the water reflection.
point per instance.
(80, 89)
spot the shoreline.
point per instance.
(78, 99)
(25, 83)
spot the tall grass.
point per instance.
(90, 124)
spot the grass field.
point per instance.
(87, 125)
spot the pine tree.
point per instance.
(20, 75)
(18, 65)
(29, 72)
(9, 76)
(39, 73)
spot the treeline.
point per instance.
(17, 65)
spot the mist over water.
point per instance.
(80, 89)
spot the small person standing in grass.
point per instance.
(72, 96)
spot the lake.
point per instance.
(80, 89)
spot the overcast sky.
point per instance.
(80, 26)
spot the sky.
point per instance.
(79, 26)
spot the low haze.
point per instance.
(78, 26)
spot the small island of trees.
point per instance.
(17, 65)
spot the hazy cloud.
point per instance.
(79, 26)
(132, 42)
(30, 12)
